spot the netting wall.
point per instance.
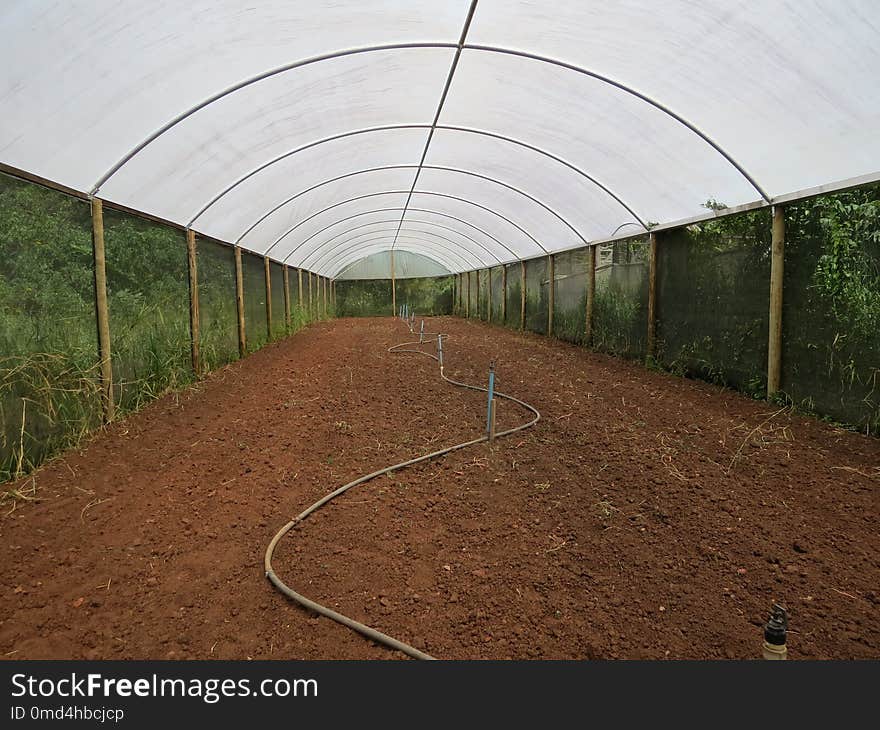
(218, 319)
(363, 297)
(537, 295)
(49, 393)
(620, 314)
(148, 303)
(279, 311)
(497, 293)
(254, 286)
(514, 294)
(569, 311)
(831, 307)
(713, 299)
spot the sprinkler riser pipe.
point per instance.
(491, 397)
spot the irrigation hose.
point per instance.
(315, 607)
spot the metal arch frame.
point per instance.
(632, 92)
(398, 192)
(339, 258)
(443, 168)
(389, 127)
(421, 222)
(345, 247)
(515, 256)
(458, 47)
(249, 82)
(324, 244)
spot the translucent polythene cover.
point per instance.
(283, 124)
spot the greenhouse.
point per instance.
(483, 329)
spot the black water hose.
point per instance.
(311, 605)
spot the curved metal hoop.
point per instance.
(399, 192)
(380, 168)
(421, 222)
(408, 46)
(319, 251)
(330, 257)
(368, 130)
(514, 256)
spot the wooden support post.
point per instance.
(522, 296)
(489, 294)
(551, 293)
(311, 310)
(299, 288)
(287, 297)
(477, 302)
(591, 296)
(393, 287)
(102, 313)
(193, 300)
(777, 268)
(651, 342)
(268, 277)
(504, 294)
(239, 303)
(324, 295)
(467, 302)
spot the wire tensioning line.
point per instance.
(310, 605)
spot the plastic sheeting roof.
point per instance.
(473, 133)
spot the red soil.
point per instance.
(645, 516)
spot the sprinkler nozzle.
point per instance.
(775, 631)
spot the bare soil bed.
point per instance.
(645, 516)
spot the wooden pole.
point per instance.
(591, 295)
(551, 293)
(489, 294)
(504, 294)
(268, 277)
(467, 302)
(311, 311)
(287, 297)
(102, 314)
(522, 296)
(651, 342)
(239, 303)
(193, 300)
(393, 287)
(299, 288)
(324, 294)
(777, 267)
(477, 303)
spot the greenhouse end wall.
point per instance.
(428, 296)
